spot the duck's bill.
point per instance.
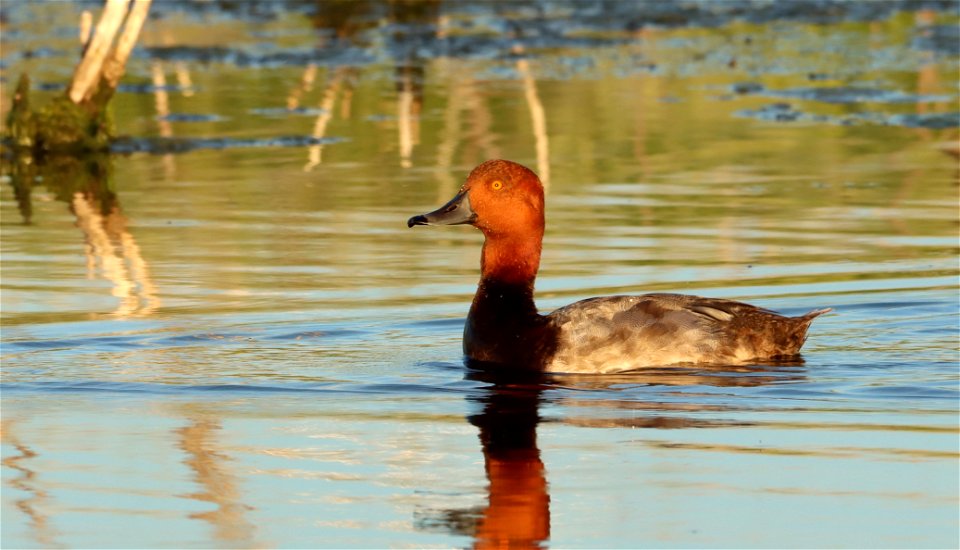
(455, 212)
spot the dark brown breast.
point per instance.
(504, 328)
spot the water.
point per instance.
(241, 345)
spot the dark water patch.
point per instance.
(823, 11)
(150, 88)
(31, 53)
(933, 121)
(130, 88)
(81, 387)
(890, 391)
(49, 86)
(918, 305)
(278, 112)
(406, 389)
(9, 32)
(318, 334)
(458, 386)
(492, 47)
(445, 366)
(597, 15)
(785, 112)
(942, 39)
(819, 392)
(191, 117)
(836, 94)
(780, 112)
(747, 88)
(243, 58)
(204, 338)
(163, 146)
(848, 94)
(32, 345)
(264, 389)
(107, 343)
(97, 386)
(397, 46)
(531, 27)
(231, 9)
(454, 322)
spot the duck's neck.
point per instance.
(508, 267)
(503, 325)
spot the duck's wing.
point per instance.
(617, 333)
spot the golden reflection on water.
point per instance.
(220, 484)
(36, 503)
(323, 117)
(538, 120)
(104, 235)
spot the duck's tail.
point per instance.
(809, 317)
(797, 334)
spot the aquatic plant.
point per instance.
(79, 121)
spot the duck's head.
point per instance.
(500, 197)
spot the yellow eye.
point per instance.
(496, 185)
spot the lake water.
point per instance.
(229, 338)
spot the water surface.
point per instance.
(231, 339)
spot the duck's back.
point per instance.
(620, 333)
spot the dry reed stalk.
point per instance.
(114, 67)
(87, 74)
(86, 25)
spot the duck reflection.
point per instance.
(517, 512)
(518, 508)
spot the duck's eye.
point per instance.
(496, 185)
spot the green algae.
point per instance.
(60, 126)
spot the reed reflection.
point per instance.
(199, 441)
(325, 112)
(538, 118)
(415, 32)
(36, 500)
(111, 251)
(415, 22)
(339, 23)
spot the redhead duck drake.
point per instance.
(597, 335)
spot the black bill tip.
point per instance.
(417, 220)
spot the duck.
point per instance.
(608, 334)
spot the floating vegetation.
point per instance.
(78, 121)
